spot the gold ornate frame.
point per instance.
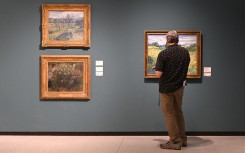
(83, 8)
(152, 51)
(84, 93)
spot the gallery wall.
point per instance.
(122, 100)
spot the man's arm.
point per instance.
(158, 73)
(159, 65)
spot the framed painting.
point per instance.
(65, 77)
(155, 42)
(66, 25)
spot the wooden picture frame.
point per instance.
(155, 42)
(65, 77)
(66, 25)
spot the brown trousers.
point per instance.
(171, 104)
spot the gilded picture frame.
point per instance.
(66, 25)
(65, 77)
(155, 42)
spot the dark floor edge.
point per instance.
(213, 133)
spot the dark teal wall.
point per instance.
(122, 100)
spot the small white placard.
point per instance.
(99, 69)
(99, 73)
(207, 70)
(207, 74)
(99, 63)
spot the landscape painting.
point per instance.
(66, 25)
(65, 77)
(155, 42)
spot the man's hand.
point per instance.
(159, 74)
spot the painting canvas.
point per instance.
(65, 77)
(66, 25)
(155, 42)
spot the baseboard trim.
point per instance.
(213, 133)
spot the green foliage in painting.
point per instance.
(154, 49)
(65, 76)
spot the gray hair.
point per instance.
(172, 36)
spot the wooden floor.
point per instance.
(117, 144)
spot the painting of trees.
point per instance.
(66, 25)
(65, 76)
(155, 42)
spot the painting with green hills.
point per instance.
(157, 43)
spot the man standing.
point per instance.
(171, 67)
